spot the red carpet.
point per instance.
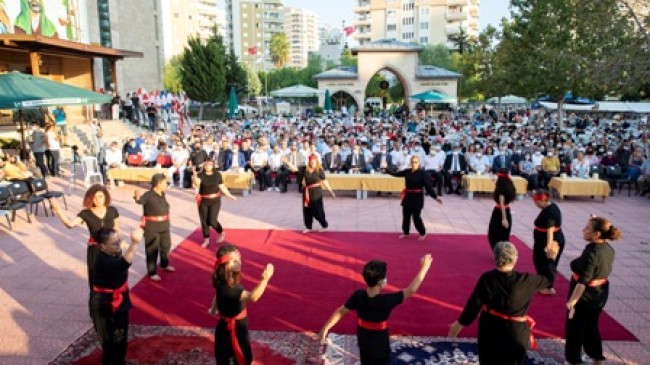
(314, 274)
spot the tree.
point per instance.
(236, 76)
(254, 83)
(461, 41)
(203, 70)
(171, 74)
(436, 55)
(373, 88)
(347, 59)
(279, 49)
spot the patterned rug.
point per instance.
(162, 345)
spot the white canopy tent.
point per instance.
(604, 106)
(508, 99)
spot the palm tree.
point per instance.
(279, 49)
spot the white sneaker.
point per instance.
(269, 189)
(205, 243)
(277, 189)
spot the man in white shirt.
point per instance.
(260, 166)
(433, 164)
(180, 155)
(149, 151)
(479, 163)
(276, 166)
(114, 159)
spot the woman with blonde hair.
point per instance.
(232, 342)
(589, 290)
(313, 192)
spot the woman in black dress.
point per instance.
(312, 194)
(97, 214)
(373, 309)
(501, 220)
(155, 222)
(209, 184)
(548, 228)
(109, 298)
(412, 198)
(501, 297)
(232, 342)
(589, 290)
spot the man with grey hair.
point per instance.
(502, 297)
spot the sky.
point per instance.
(333, 12)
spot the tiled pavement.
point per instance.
(43, 289)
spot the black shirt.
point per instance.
(209, 183)
(595, 262)
(95, 223)
(229, 302)
(549, 216)
(154, 205)
(111, 273)
(197, 157)
(415, 180)
(314, 177)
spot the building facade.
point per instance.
(302, 29)
(416, 21)
(251, 24)
(190, 18)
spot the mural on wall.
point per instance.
(48, 18)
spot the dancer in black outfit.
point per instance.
(501, 297)
(412, 198)
(589, 290)
(209, 184)
(109, 298)
(548, 228)
(501, 220)
(97, 214)
(155, 221)
(230, 302)
(312, 194)
(373, 309)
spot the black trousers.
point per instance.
(299, 175)
(281, 177)
(539, 256)
(438, 180)
(449, 175)
(209, 216)
(263, 179)
(40, 162)
(157, 242)
(582, 332)
(53, 161)
(315, 210)
(113, 332)
(409, 213)
(92, 252)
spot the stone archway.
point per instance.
(397, 57)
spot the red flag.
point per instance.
(349, 30)
(252, 51)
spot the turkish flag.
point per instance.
(348, 30)
(252, 51)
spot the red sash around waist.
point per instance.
(523, 319)
(153, 218)
(117, 294)
(405, 190)
(594, 283)
(539, 229)
(230, 325)
(373, 326)
(498, 206)
(200, 197)
(306, 198)
(91, 241)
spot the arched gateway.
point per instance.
(398, 57)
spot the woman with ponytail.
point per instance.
(232, 342)
(548, 228)
(589, 290)
(501, 219)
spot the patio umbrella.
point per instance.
(328, 102)
(232, 103)
(18, 91)
(433, 96)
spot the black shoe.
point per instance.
(457, 192)
(448, 192)
(644, 192)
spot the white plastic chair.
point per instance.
(91, 170)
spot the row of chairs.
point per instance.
(24, 194)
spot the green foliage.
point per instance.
(347, 59)
(254, 84)
(9, 143)
(236, 75)
(171, 74)
(279, 49)
(373, 89)
(203, 69)
(290, 76)
(318, 109)
(437, 55)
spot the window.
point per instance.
(424, 40)
(424, 11)
(391, 27)
(424, 26)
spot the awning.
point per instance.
(36, 43)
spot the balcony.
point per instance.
(453, 29)
(476, 2)
(456, 2)
(474, 12)
(456, 15)
(363, 20)
(361, 9)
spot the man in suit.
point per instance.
(356, 161)
(502, 160)
(234, 159)
(247, 151)
(382, 160)
(332, 160)
(455, 166)
(296, 159)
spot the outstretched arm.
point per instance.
(425, 264)
(69, 223)
(224, 189)
(256, 294)
(339, 313)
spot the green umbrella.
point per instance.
(18, 91)
(233, 106)
(328, 102)
(433, 96)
